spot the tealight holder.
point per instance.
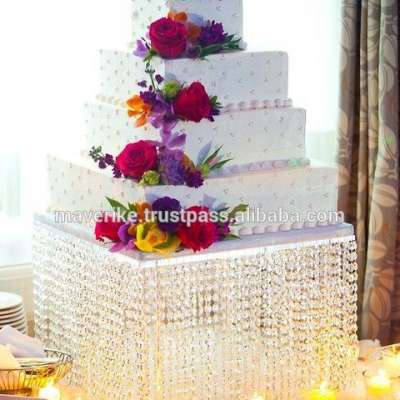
(379, 385)
(390, 360)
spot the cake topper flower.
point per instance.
(164, 103)
(184, 35)
(151, 163)
(165, 227)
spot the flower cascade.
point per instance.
(165, 227)
(163, 103)
(185, 35)
(159, 163)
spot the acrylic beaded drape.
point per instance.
(217, 326)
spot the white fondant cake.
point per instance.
(248, 136)
(258, 128)
(306, 196)
(229, 12)
(234, 77)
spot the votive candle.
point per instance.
(50, 393)
(380, 385)
(321, 393)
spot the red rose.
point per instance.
(107, 228)
(168, 37)
(136, 159)
(193, 103)
(201, 234)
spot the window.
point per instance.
(49, 69)
(309, 30)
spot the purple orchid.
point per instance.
(212, 33)
(175, 140)
(149, 96)
(162, 115)
(172, 168)
(164, 207)
(141, 49)
(127, 237)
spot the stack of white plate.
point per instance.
(12, 312)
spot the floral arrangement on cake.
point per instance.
(163, 103)
(159, 163)
(165, 227)
(185, 35)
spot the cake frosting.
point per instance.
(256, 125)
(241, 76)
(229, 12)
(302, 196)
(265, 134)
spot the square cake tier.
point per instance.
(280, 199)
(248, 136)
(235, 77)
(229, 12)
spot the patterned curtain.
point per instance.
(369, 157)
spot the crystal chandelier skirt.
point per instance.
(269, 315)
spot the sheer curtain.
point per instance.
(309, 30)
(49, 68)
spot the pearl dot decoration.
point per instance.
(271, 318)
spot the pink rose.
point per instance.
(193, 103)
(136, 159)
(168, 37)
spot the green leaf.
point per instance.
(212, 156)
(119, 208)
(150, 55)
(241, 208)
(166, 244)
(132, 207)
(96, 153)
(220, 164)
(231, 237)
(212, 49)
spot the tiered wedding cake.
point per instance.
(264, 317)
(258, 128)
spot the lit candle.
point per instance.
(391, 364)
(379, 385)
(50, 393)
(322, 393)
(258, 397)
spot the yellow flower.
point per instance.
(150, 239)
(139, 109)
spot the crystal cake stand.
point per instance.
(264, 315)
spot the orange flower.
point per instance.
(139, 109)
(188, 163)
(141, 211)
(194, 32)
(178, 17)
